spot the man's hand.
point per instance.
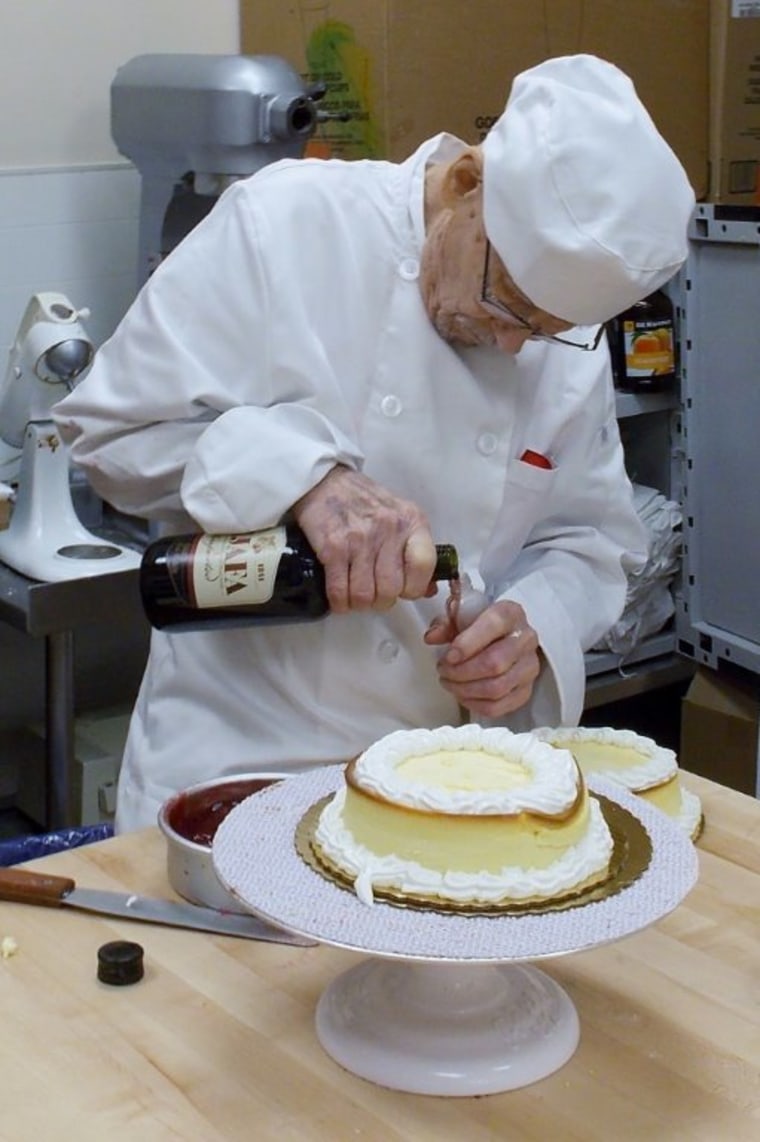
(375, 547)
(491, 666)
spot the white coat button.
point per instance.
(409, 269)
(487, 444)
(390, 405)
(388, 650)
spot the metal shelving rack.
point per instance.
(718, 605)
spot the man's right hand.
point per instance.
(375, 547)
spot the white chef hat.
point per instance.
(583, 200)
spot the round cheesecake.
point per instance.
(464, 816)
(634, 761)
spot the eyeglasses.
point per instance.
(585, 337)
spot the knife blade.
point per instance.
(22, 886)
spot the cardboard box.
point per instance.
(719, 729)
(407, 69)
(735, 102)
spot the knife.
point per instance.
(25, 887)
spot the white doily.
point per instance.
(255, 857)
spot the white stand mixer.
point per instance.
(45, 539)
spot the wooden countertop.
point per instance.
(217, 1042)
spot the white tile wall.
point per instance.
(74, 230)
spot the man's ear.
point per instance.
(465, 173)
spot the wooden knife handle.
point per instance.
(27, 887)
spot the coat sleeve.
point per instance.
(185, 410)
(571, 574)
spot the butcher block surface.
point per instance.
(217, 1041)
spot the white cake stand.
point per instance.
(446, 1004)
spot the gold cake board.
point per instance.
(631, 855)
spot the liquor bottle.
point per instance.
(196, 582)
(642, 345)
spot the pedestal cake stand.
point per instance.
(445, 1004)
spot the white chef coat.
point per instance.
(284, 335)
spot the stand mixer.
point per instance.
(192, 124)
(45, 538)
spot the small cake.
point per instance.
(636, 762)
(464, 817)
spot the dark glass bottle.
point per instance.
(197, 582)
(642, 346)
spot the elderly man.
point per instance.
(392, 354)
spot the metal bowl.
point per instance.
(189, 819)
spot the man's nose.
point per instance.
(510, 339)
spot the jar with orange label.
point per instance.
(642, 346)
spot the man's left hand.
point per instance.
(491, 666)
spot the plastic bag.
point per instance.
(14, 850)
(649, 602)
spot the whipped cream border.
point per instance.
(556, 778)
(661, 764)
(368, 870)
(691, 811)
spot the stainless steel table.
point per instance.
(54, 611)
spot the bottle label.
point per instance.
(648, 346)
(237, 570)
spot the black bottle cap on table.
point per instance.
(120, 962)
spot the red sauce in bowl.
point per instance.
(197, 814)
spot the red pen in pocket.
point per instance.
(537, 459)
